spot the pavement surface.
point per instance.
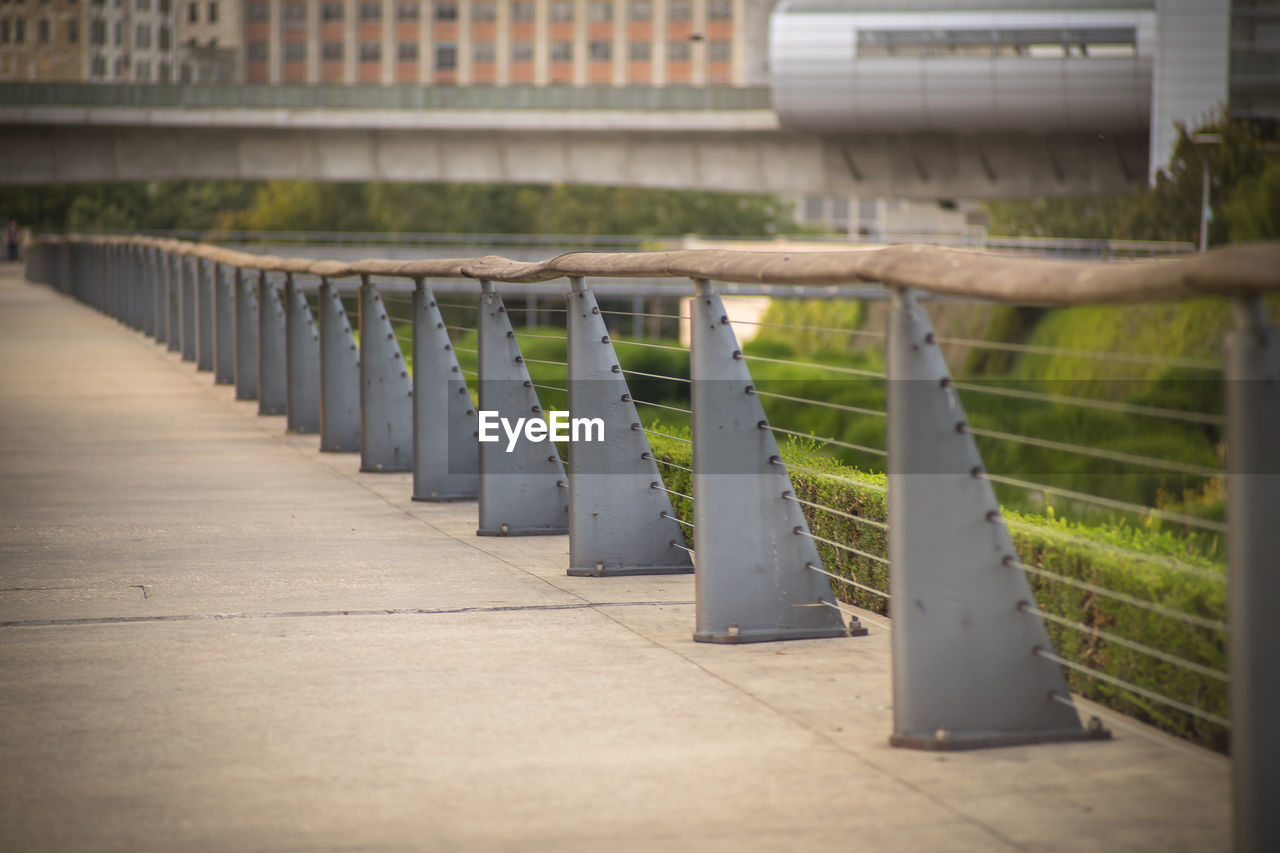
(215, 637)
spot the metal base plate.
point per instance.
(443, 498)
(364, 470)
(770, 636)
(626, 571)
(940, 741)
(529, 531)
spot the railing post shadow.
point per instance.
(386, 394)
(965, 669)
(301, 361)
(224, 362)
(273, 397)
(1253, 556)
(524, 492)
(246, 334)
(339, 375)
(445, 453)
(619, 511)
(753, 582)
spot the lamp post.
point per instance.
(1206, 140)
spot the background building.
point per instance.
(41, 40)
(211, 47)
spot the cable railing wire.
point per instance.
(1133, 688)
(1089, 403)
(656, 376)
(1132, 358)
(835, 441)
(800, 531)
(849, 581)
(870, 522)
(822, 404)
(1098, 453)
(1155, 559)
(1124, 598)
(831, 368)
(1128, 644)
(678, 409)
(1110, 503)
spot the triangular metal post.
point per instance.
(965, 671)
(146, 290)
(204, 314)
(173, 301)
(224, 337)
(301, 361)
(619, 511)
(187, 297)
(339, 375)
(386, 394)
(445, 455)
(272, 382)
(524, 492)
(159, 288)
(246, 364)
(754, 582)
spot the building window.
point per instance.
(719, 10)
(562, 10)
(639, 51)
(562, 51)
(73, 31)
(640, 10)
(446, 56)
(142, 71)
(295, 51)
(718, 51)
(98, 68)
(186, 74)
(482, 52)
(331, 51)
(213, 13)
(4, 30)
(370, 51)
(19, 31)
(142, 37)
(600, 51)
(407, 51)
(484, 11)
(142, 5)
(295, 15)
(163, 38)
(680, 10)
(331, 12)
(118, 35)
(257, 51)
(120, 68)
(522, 51)
(407, 11)
(255, 12)
(42, 31)
(193, 13)
(164, 7)
(164, 73)
(522, 10)
(97, 31)
(371, 11)
(446, 12)
(600, 11)
(677, 51)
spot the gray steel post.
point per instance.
(301, 361)
(224, 337)
(272, 383)
(146, 274)
(965, 671)
(173, 300)
(523, 492)
(619, 511)
(188, 297)
(386, 394)
(339, 375)
(445, 456)
(1253, 543)
(159, 295)
(753, 582)
(246, 363)
(137, 288)
(204, 315)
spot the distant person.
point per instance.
(11, 237)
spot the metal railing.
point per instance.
(385, 97)
(996, 612)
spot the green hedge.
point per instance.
(1100, 562)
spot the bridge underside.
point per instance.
(922, 166)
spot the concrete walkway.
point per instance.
(214, 637)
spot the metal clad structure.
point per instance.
(976, 66)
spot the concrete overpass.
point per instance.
(711, 139)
